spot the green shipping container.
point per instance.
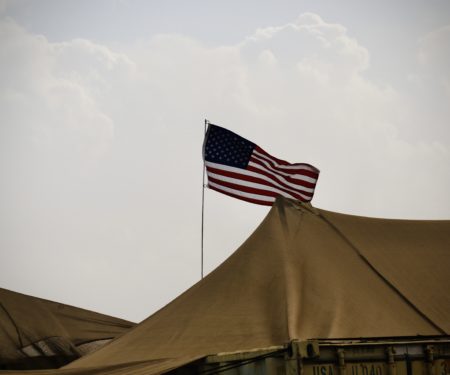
(387, 356)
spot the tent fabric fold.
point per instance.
(304, 273)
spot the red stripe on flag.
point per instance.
(303, 169)
(278, 161)
(256, 191)
(284, 163)
(276, 177)
(276, 184)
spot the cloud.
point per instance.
(434, 55)
(309, 40)
(52, 90)
(4, 4)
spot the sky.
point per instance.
(102, 109)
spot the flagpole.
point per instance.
(203, 204)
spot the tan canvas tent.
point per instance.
(304, 273)
(37, 333)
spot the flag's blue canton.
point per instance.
(225, 147)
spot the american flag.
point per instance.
(243, 170)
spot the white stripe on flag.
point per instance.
(242, 193)
(281, 178)
(273, 170)
(254, 185)
(304, 166)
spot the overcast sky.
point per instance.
(102, 106)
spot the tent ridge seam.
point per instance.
(378, 273)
